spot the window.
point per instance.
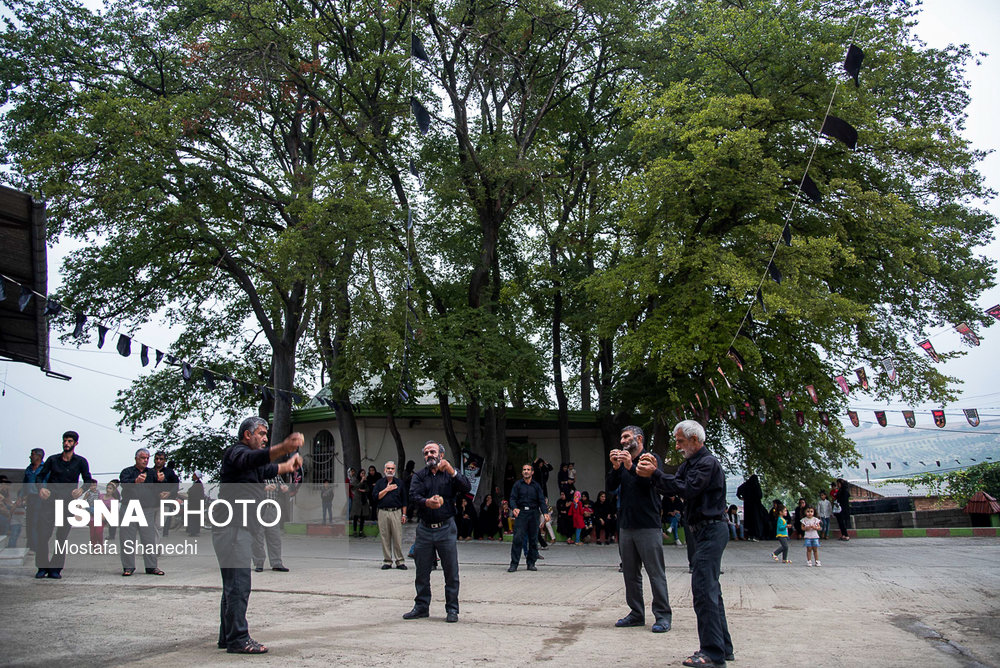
(323, 458)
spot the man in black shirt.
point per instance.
(244, 467)
(61, 474)
(640, 534)
(526, 501)
(701, 482)
(434, 490)
(168, 482)
(390, 495)
(139, 484)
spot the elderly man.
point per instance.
(29, 489)
(245, 466)
(61, 473)
(640, 537)
(701, 482)
(140, 483)
(390, 495)
(527, 500)
(434, 490)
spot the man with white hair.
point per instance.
(390, 494)
(701, 482)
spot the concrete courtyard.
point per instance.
(876, 602)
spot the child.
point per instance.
(824, 509)
(781, 533)
(811, 525)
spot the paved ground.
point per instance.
(876, 602)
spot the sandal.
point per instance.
(127, 572)
(154, 571)
(251, 647)
(699, 659)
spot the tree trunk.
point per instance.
(449, 424)
(283, 369)
(347, 424)
(394, 430)
(585, 373)
(610, 430)
(562, 404)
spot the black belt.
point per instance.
(396, 508)
(436, 525)
(698, 525)
(529, 508)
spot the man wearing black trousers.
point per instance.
(61, 474)
(701, 482)
(434, 490)
(244, 467)
(526, 501)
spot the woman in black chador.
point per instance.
(754, 514)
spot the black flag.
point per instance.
(22, 301)
(124, 345)
(421, 114)
(102, 331)
(81, 320)
(413, 170)
(52, 307)
(760, 300)
(144, 355)
(186, 371)
(810, 189)
(209, 379)
(786, 234)
(159, 357)
(852, 64)
(880, 416)
(840, 129)
(772, 269)
(418, 51)
(911, 420)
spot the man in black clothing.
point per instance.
(701, 482)
(61, 474)
(434, 490)
(391, 497)
(29, 489)
(244, 467)
(139, 484)
(640, 534)
(527, 500)
(168, 482)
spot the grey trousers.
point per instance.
(149, 536)
(269, 535)
(232, 549)
(643, 548)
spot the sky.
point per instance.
(35, 410)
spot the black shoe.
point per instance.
(730, 657)
(532, 567)
(258, 569)
(42, 573)
(629, 621)
(416, 613)
(401, 566)
(386, 567)
(513, 567)
(661, 627)
(55, 573)
(451, 618)
(280, 569)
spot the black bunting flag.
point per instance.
(102, 331)
(417, 48)
(421, 114)
(144, 355)
(3, 289)
(81, 320)
(840, 129)
(880, 416)
(760, 300)
(159, 357)
(413, 170)
(824, 417)
(786, 234)
(810, 189)
(772, 269)
(972, 415)
(209, 379)
(911, 420)
(52, 307)
(186, 371)
(735, 356)
(852, 63)
(25, 298)
(124, 345)
(938, 418)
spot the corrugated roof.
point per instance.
(982, 503)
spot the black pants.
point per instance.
(46, 525)
(713, 631)
(525, 529)
(232, 549)
(843, 520)
(443, 541)
(31, 518)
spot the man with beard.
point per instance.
(245, 466)
(701, 482)
(61, 474)
(167, 482)
(434, 490)
(526, 501)
(640, 535)
(30, 491)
